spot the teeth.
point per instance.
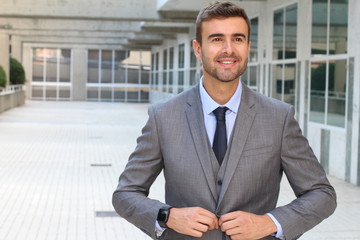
(227, 62)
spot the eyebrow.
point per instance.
(221, 35)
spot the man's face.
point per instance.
(224, 49)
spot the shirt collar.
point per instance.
(209, 105)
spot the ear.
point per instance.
(197, 49)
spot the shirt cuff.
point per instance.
(158, 229)
(279, 234)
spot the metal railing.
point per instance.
(11, 89)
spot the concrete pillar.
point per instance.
(79, 74)
(4, 54)
(16, 48)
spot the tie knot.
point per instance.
(220, 113)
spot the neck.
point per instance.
(220, 92)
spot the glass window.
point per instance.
(64, 93)
(51, 65)
(93, 66)
(171, 82)
(171, 58)
(193, 78)
(37, 92)
(329, 27)
(122, 72)
(254, 40)
(181, 55)
(193, 59)
(337, 93)
(250, 76)
(38, 65)
(318, 91)
(119, 66)
(51, 93)
(329, 75)
(284, 33)
(283, 85)
(338, 26)
(65, 60)
(106, 66)
(180, 81)
(165, 59)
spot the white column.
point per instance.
(4, 54)
(79, 74)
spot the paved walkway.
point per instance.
(59, 164)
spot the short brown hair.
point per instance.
(219, 10)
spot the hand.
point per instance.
(193, 221)
(245, 226)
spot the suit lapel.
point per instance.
(243, 123)
(195, 118)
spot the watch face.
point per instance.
(162, 215)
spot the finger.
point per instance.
(209, 219)
(211, 222)
(201, 227)
(230, 216)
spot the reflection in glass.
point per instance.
(37, 92)
(106, 66)
(64, 93)
(51, 65)
(119, 68)
(283, 84)
(290, 31)
(119, 94)
(334, 31)
(278, 33)
(277, 82)
(93, 66)
(254, 40)
(171, 82)
(253, 76)
(318, 91)
(337, 93)
(165, 59)
(338, 26)
(50, 93)
(289, 83)
(193, 79)
(181, 55)
(38, 65)
(192, 57)
(64, 61)
(106, 93)
(171, 58)
(180, 81)
(319, 27)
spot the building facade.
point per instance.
(303, 52)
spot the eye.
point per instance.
(217, 39)
(239, 39)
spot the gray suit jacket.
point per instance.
(266, 141)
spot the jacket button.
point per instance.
(219, 182)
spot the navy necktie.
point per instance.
(220, 139)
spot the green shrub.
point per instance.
(17, 73)
(2, 77)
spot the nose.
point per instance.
(227, 47)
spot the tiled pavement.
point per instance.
(59, 164)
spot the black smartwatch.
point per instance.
(163, 216)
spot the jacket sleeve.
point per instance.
(315, 197)
(130, 198)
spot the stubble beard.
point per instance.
(226, 76)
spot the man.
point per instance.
(223, 184)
